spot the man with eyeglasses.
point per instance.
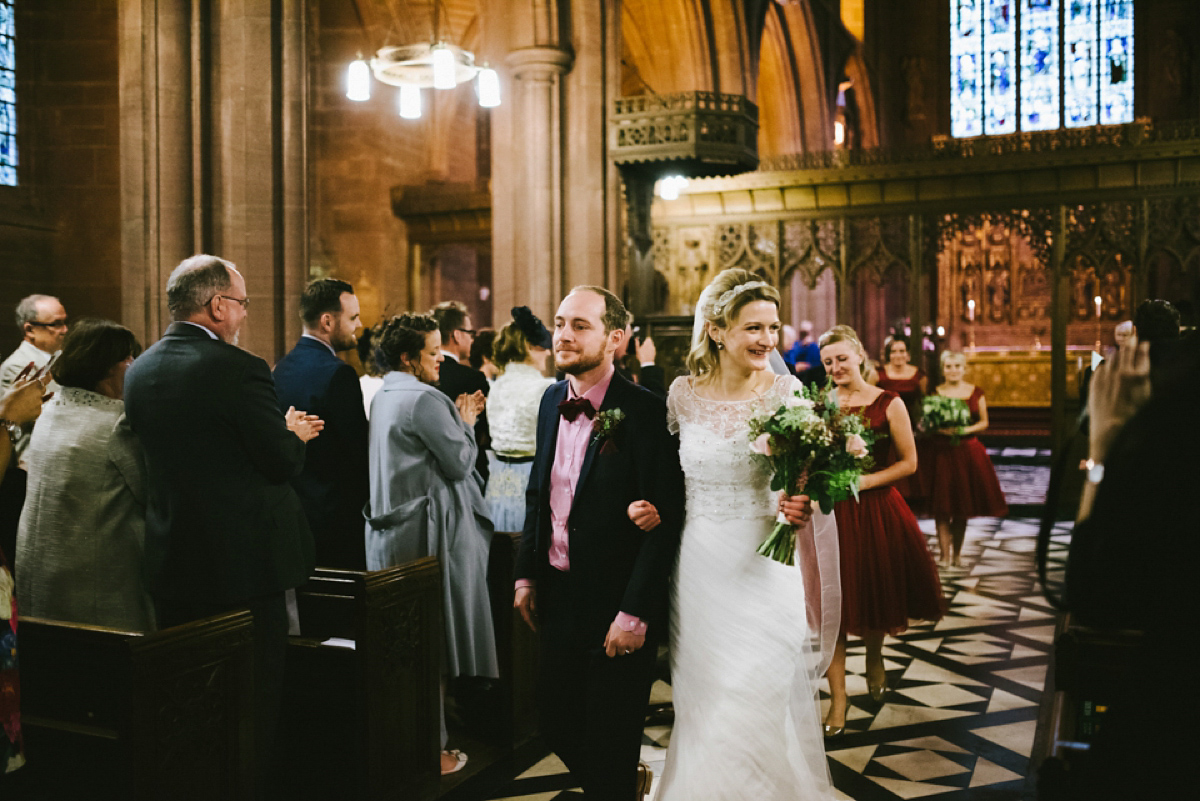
(224, 528)
(457, 376)
(43, 323)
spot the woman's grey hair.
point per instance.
(194, 282)
(27, 309)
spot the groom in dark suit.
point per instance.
(603, 516)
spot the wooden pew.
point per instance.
(515, 721)
(117, 714)
(361, 719)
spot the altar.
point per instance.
(1021, 378)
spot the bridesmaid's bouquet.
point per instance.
(812, 446)
(939, 411)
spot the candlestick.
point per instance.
(971, 324)
(1099, 302)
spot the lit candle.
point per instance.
(971, 311)
(1098, 302)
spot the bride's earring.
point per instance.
(720, 346)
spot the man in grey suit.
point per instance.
(224, 528)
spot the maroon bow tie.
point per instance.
(572, 408)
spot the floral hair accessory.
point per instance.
(720, 304)
(604, 426)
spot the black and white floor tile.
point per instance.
(960, 719)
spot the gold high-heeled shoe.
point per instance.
(877, 691)
(834, 731)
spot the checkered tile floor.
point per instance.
(959, 722)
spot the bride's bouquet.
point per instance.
(812, 446)
(939, 411)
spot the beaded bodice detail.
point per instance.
(722, 478)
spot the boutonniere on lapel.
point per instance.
(604, 427)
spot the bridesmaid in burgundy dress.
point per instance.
(908, 381)
(888, 576)
(899, 376)
(962, 479)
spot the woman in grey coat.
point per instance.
(79, 545)
(426, 498)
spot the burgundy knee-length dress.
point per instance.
(961, 479)
(888, 575)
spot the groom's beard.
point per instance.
(584, 362)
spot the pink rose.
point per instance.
(856, 446)
(762, 444)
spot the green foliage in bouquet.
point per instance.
(811, 446)
(939, 411)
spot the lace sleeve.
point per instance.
(783, 388)
(675, 402)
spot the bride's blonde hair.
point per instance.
(844, 333)
(719, 304)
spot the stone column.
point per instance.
(528, 191)
(213, 97)
(157, 96)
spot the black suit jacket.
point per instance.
(223, 524)
(334, 485)
(455, 379)
(615, 565)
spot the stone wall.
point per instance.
(60, 230)
(359, 151)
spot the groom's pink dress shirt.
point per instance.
(572, 444)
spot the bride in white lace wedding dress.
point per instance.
(745, 653)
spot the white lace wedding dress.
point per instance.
(743, 668)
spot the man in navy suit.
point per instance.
(458, 377)
(333, 486)
(602, 523)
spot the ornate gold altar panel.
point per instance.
(1021, 378)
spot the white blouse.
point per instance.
(512, 409)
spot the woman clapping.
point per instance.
(427, 499)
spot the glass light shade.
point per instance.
(410, 102)
(668, 187)
(358, 81)
(488, 85)
(839, 133)
(443, 68)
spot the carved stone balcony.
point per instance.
(697, 134)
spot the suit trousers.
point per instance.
(592, 707)
(270, 651)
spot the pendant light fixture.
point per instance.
(436, 64)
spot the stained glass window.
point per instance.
(1036, 65)
(1116, 65)
(1081, 88)
(966, 57)
(8, 96)
(1000, 49)
(1039, 65)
